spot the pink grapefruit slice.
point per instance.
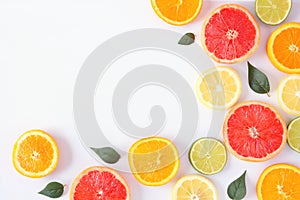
(230, 34)
(98, 182)
(254, 131)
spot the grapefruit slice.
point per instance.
(254, 131)
(99, 182)
(230, 34)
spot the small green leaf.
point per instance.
(237, 189)
(107, 154)
(187, 39)
(258, 81)
(53, 190)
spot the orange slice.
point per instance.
(153, 161)
(35, 154)
(177, 12)
(280, 181)
(283, 48)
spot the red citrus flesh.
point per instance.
(99, 183)
(254, 131)
(230, 34)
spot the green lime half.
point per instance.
(294, 134)
(272, 12)
(208, 155)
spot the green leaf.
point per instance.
(107, 154)
(237, 189)
(258, 81)
(53, 190)
(187, 39)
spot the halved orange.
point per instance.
(153, 161)
(35, 154)
(279, 181)
(283, 48)
(177, 12)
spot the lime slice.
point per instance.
(272, 12)
(294, 134)
(208, 155)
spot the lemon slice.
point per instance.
(289, 94)
(294, 134)
(194, 187)
(219, 88)
(272, 12)
(208, 155)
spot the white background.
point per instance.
(43, 45)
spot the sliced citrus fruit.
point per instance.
(272, 12)
(230, 34)
(177, 12)
(254, 131)
(294, 134)
(279, 181)
(219, 87)
(99, 182)
(289, 94)
(283, 48)
(35, 154)
(208, 155)
(153, 161)
(192, 187)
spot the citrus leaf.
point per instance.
(107, 154)
(237, 189)
(187, 39)
(53, 190)
(258, 81)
